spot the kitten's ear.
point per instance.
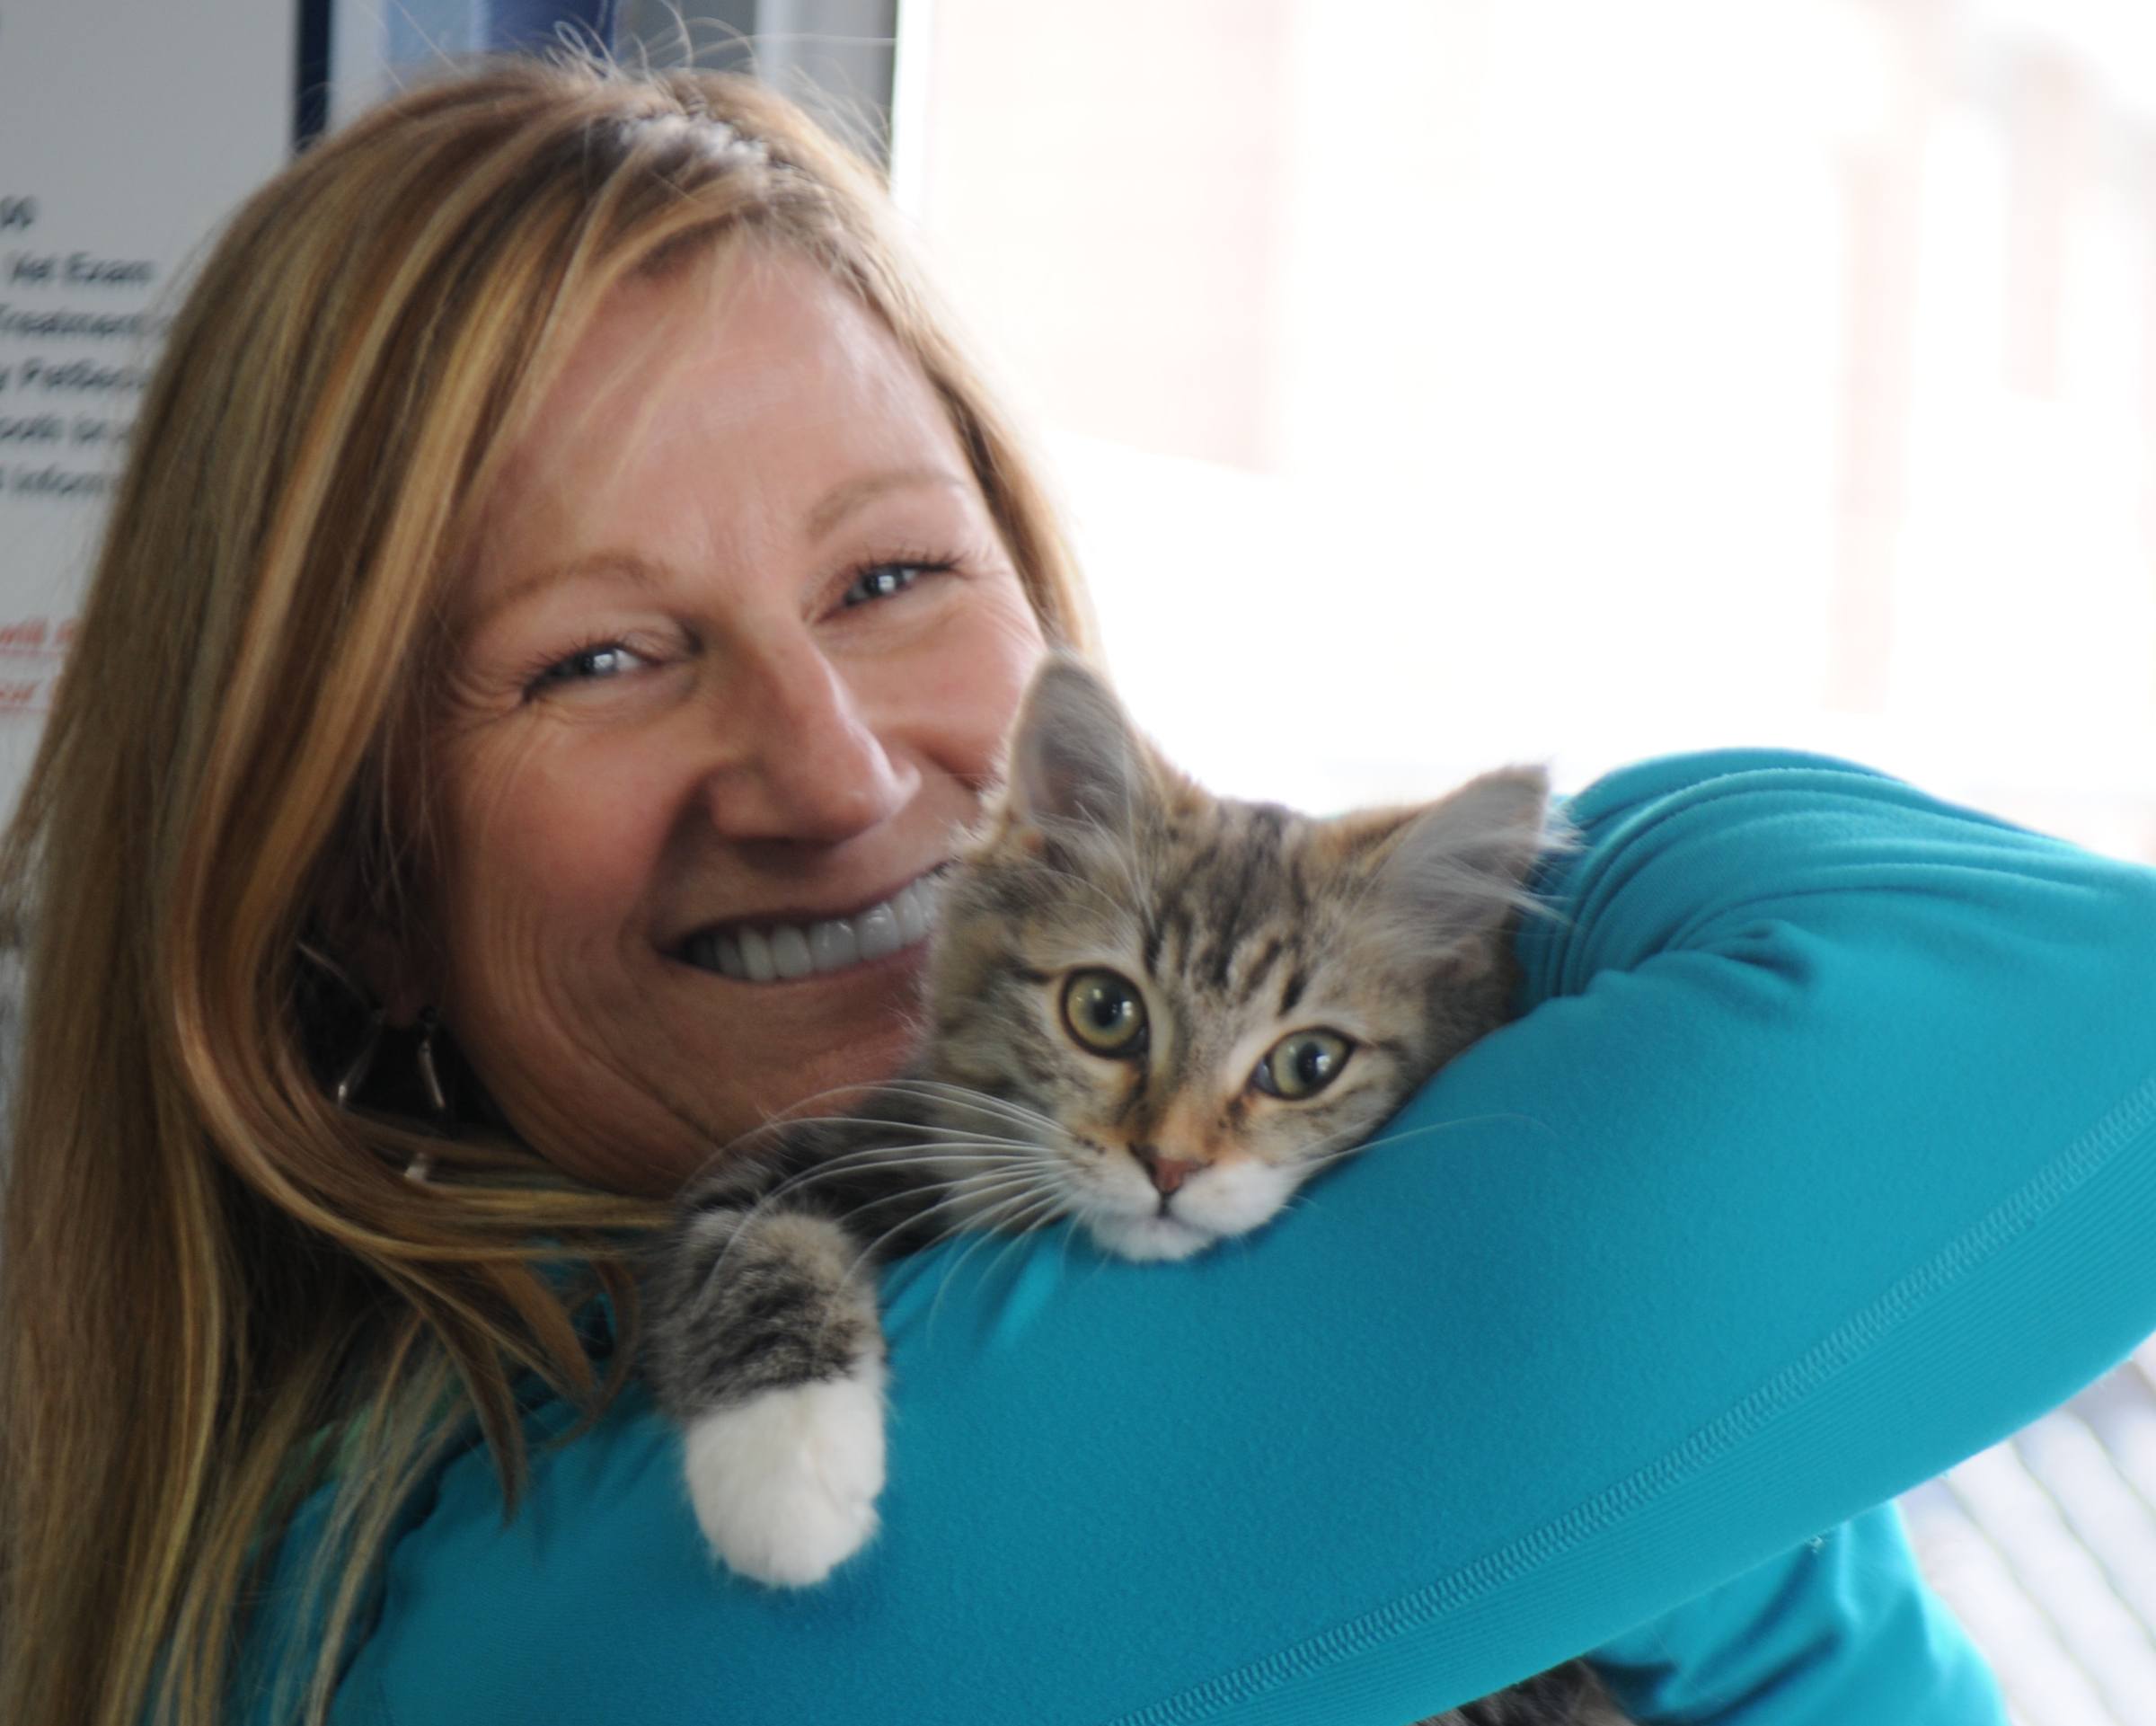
(1074, 760)
(1459, 869)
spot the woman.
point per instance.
(559, 527)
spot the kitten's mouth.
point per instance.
(763, 951)
(1157, 1234)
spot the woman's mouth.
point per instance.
(764, 952)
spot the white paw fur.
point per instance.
(785, 1485)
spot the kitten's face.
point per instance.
(1192, 1004)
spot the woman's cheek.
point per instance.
(535, 843)
(981, 671)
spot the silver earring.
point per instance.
(362, 1062)
(438, 1100)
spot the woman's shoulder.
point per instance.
(478, 1605)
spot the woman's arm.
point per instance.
(1823, 1159)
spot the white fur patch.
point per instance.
(785, 1485)
(1148, 1236)
(1227, 1199)
(1232, 1197)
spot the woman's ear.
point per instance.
(386, 944)
(391, 967)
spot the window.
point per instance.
(1484, 380)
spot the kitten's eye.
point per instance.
(1105, 1013)
(1302, 1065)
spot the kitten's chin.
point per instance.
(1150, 1237)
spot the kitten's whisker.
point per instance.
(959, 1225)
(1023, 1179)
(1425, 1129)
(973, 1149)
(955, 1187)
(968, 1191)
(986, 1152)
(869, 1123)
(993, 1222)
(984, 1227)
(990, 1133)
(787, 1117)
(1463, 1120)
(1026, 1224)
(944, 1088)
(751, 1214)
(1049, 1198)
(1017, 1230)
(1063, 1250)
(958, 1186)
(965, 1096)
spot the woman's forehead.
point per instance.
(732, 397)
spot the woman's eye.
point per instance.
(1104, 1011)
(1301, 1064)
(600, 660)
(883, 581)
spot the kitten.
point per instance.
(1152, 1012)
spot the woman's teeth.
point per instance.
(781, 951)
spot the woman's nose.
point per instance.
(810, 763)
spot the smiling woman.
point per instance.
(561, 548)
(568, 579)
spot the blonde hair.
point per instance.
(207, 1266)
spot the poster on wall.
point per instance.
(128, 130)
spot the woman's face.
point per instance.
(734, 662)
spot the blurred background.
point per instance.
(1544, 377)
(1441, 382)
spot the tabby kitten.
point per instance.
(1152, 1011)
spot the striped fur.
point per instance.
(1233, 925)
(1566, 1696)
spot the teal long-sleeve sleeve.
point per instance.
(1824, 1155)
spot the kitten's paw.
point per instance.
(785, 1485)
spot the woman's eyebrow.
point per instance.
(843, 499)
(615, 566)
(835, 505)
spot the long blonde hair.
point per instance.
(206, 1264)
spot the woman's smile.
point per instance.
(788, 945)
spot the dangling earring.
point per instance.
(362, 1062)
(437, 1099)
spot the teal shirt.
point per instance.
(1823, 1156)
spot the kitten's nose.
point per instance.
(1166, 1173)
